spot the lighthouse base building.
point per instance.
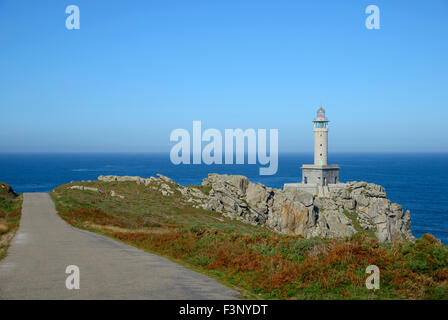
(320, 175)
(319, 178)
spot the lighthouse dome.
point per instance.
(321, 111)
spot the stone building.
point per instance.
(319, 177)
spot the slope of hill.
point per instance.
(10, 210)
(159, 216)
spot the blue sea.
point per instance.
(417, 181)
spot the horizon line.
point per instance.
(168, 152)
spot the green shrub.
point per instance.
(426, 255)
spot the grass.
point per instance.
(10, 212)
(254, 260)
(205, 189)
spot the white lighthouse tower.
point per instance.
(321, 138)
(320, 177)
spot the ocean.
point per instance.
(417, 181)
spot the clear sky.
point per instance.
(136, 70)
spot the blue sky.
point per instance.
(136, 70)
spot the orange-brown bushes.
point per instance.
(442, 274)
(278, 266)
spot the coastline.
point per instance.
(411, 179)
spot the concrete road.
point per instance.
(45, 245)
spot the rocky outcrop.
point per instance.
(359, 206)
(6, 191)
(356, 207)
(112, 193)
(138, 180)
(85, 188)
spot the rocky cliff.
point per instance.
(358, 206)
(6, 191)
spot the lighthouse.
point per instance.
(320, 173)
(319, 178)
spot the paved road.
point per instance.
(45, 245)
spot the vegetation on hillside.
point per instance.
(256, 261)
(10, 210)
